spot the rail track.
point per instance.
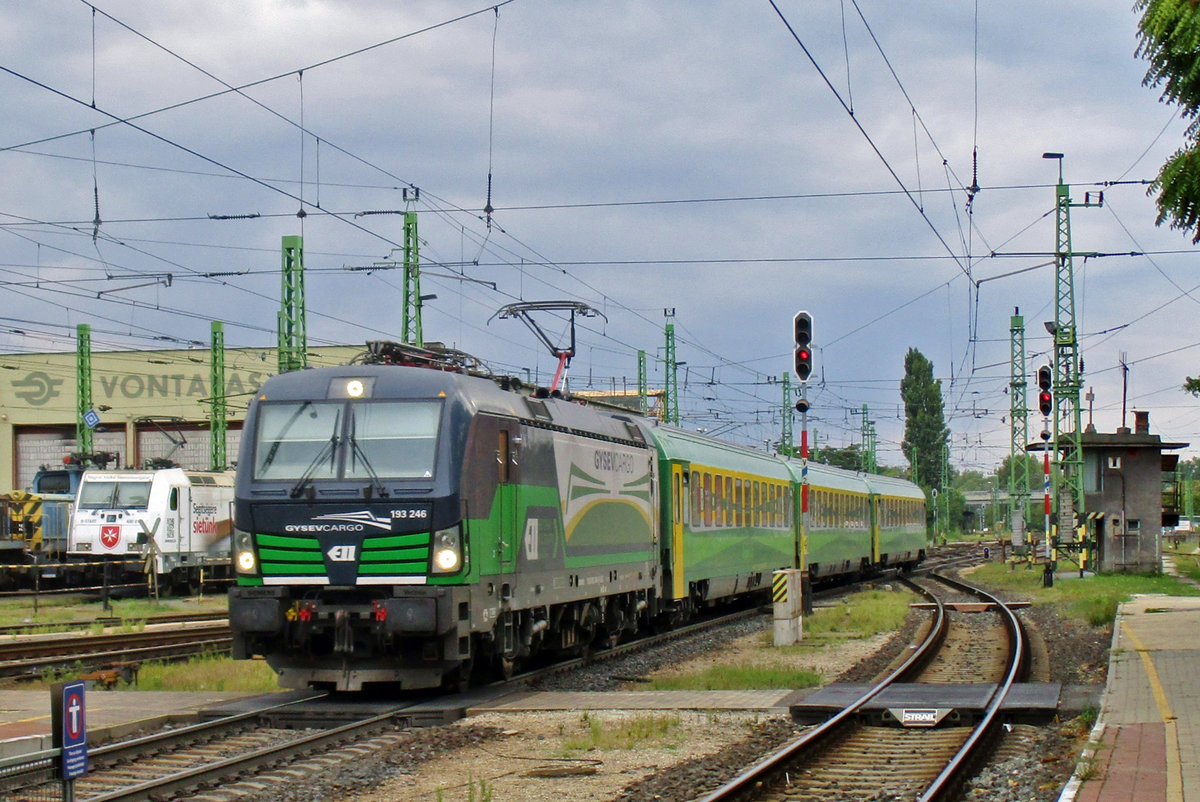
(851, 757)
(28, 658)
(184, 760)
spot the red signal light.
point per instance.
(1045, 402)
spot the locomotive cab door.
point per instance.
(508, 484)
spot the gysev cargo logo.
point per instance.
(36, 388)
(343, 522)
(109, 536)
(342, 554)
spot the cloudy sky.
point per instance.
(732, 161)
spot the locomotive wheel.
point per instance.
(458, 680)
(505, 666)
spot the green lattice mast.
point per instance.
(219, 422)
(83, 391)
(293, 339)
(1018, 473)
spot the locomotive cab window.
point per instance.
(392, 438)
(114, 495)
(355, 440)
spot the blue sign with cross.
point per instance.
(71, 715)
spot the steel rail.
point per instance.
(944, 785)
(190, 779)
(752, 776)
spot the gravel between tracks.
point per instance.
(526, 756)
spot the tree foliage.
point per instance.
(1169, 40)
(925, 432)
(850, 457)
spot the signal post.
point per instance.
(788, 616)
(1046, 407)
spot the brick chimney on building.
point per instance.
(1141, 421)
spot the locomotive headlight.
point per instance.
(447, 550)
(243, 552)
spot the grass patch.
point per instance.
(1188, 564)
(58, 610)
(209, 673)
(1093, 599)
(861, 615)
(738, 677)
(854, 617)
(625, 733)
(216, 673)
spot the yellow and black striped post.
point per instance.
(787, 602)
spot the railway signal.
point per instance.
(1045, 398)
(802, 326)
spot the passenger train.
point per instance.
(400, 524)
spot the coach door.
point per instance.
(877, 527)
(679, 508)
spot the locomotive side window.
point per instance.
(502, 458)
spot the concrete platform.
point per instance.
(25, 715)
(1146, 742)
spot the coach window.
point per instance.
(708, 500)
(697, 515)
(726, 501)
(684, 503)
(719, 499)
(757, 503)
(737, 502)
(677, 496)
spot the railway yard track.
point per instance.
(254, 754)
(171, 638)
(926, 746)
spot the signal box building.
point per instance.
(150, 404)
(1130, 494)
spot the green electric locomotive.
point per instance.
(416, 527)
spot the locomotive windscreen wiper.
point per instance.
(356, 451)
(329, 449)
(279, 439)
